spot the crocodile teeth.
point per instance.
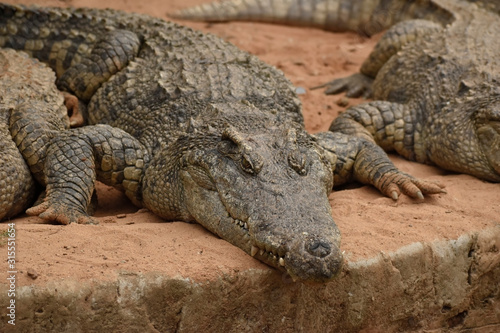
(275, 257)
(254, 250)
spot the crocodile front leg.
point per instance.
(393, 126)
(76, 158)
(362, 160)
(31, 111)
(17, 186)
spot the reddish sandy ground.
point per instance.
(129, 239)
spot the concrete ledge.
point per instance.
(451, 285)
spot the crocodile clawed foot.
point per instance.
(393, 184)
(356, 85)
(60, 213)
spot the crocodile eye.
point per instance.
(298, 162)
(246, 165)
(251, 163)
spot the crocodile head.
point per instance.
(267, 193)
(472, 135)
(487, 122)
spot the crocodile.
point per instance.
(433, 76)
(32, 111)
(194, 129)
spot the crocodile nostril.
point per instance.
(318, 248)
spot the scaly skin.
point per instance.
(194, 129)
(437, 92)
(31, 112)
(366, 17)
(436, 71)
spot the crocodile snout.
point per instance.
(318, 247)
(314, 258)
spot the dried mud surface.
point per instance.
(132, 240)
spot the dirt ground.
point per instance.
(129, 239)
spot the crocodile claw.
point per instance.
(60, 213)
(356, 85)
(395, 183)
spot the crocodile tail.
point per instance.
(365, 17)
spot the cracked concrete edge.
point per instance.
(449, 285)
